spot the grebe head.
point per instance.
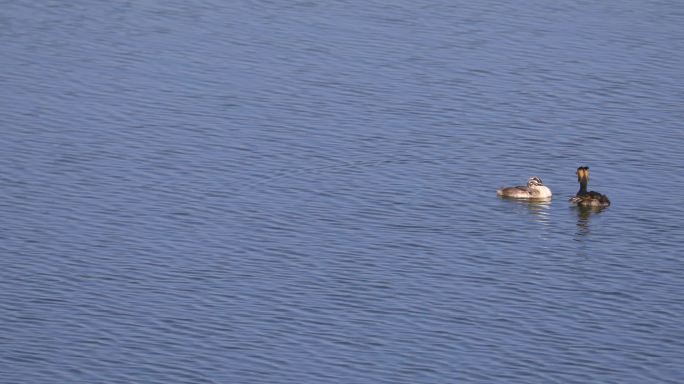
(534, 181)
(583, 174)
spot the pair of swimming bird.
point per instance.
(535, 189)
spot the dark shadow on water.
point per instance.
(584, 215)
(582, 235)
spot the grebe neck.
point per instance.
(583, 188)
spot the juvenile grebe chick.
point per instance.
(535, 189)
(588, 198)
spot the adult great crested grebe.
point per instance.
(588, 198)
(535, 189)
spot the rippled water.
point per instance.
(304, 192)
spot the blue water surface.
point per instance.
(304, 192)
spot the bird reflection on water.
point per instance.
(538, 208)
(584, 214)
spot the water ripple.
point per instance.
(288, 193)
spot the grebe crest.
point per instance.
(535, 189)
(588, 198)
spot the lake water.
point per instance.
(304, 192)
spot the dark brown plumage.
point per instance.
(588, 198)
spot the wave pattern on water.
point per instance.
(305, 192)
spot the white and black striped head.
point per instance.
(534, 181)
